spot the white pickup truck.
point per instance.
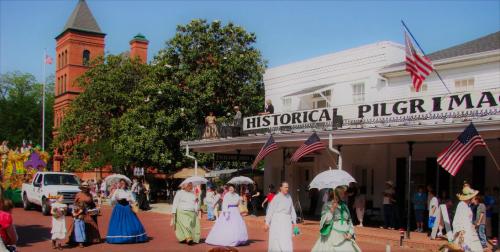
(46, 185)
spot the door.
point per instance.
(302, 179)
(37, 190)
(401, 185)
(478, 172)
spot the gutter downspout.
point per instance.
(330, 147)
(195, 161)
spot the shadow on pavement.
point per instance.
(250, 241)
(32, 234)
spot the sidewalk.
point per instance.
(161, 208)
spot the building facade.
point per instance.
(382, 119)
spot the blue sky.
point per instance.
(286, 31)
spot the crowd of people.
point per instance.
(124, 225)
(226, 207)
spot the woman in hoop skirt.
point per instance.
(230, 228)
(124, 226)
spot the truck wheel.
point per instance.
(45, 207)
(26, 203)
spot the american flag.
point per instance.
(417, 65)
(312, 144)
(48, 59)
(269, 147)
(454, 156)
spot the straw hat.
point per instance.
(467, 193)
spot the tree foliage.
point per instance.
(109, 85)
(21, 108)
(144, 111)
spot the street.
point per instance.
(34, 234)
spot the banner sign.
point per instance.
(233, 157)
(436, 104)
(293, 120)
(458, 105)
(138, 171)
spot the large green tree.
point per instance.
(21, 108)
(204, 67)
(110, 85)
(140, 113)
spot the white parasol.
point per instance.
(240, 180)
(331, 179)
(195, 180)
(114, 178)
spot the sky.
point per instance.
(287, 31)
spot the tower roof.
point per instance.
(139, 37)
(82, 20)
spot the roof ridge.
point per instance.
(81, 19)
(487, 42)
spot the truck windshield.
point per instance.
(61, 179)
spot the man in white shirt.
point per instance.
(389, 209)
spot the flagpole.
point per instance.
(416, 42)
(331, 156)
(43, 100)
(492, 157)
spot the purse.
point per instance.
(326, 229)
(431, 221)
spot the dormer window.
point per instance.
(86, 57)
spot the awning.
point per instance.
(217, 173)
(309, 90)
(188, 172)
(377, 135)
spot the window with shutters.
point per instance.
(464, 84)
(358, 92)
(287, 103)
(423, 88)
(320, 104)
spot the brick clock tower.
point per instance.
(80, 41)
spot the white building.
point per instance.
(369, 88)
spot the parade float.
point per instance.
(18, 167)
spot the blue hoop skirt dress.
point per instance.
(124, 226)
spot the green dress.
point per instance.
(341, 224)
(187, 226)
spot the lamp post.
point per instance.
(408, 198)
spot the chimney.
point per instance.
(139, 48)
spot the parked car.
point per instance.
(45, 186)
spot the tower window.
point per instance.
(64, 85)
(86, 57)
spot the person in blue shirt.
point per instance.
(419, 204)
(489, 202)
